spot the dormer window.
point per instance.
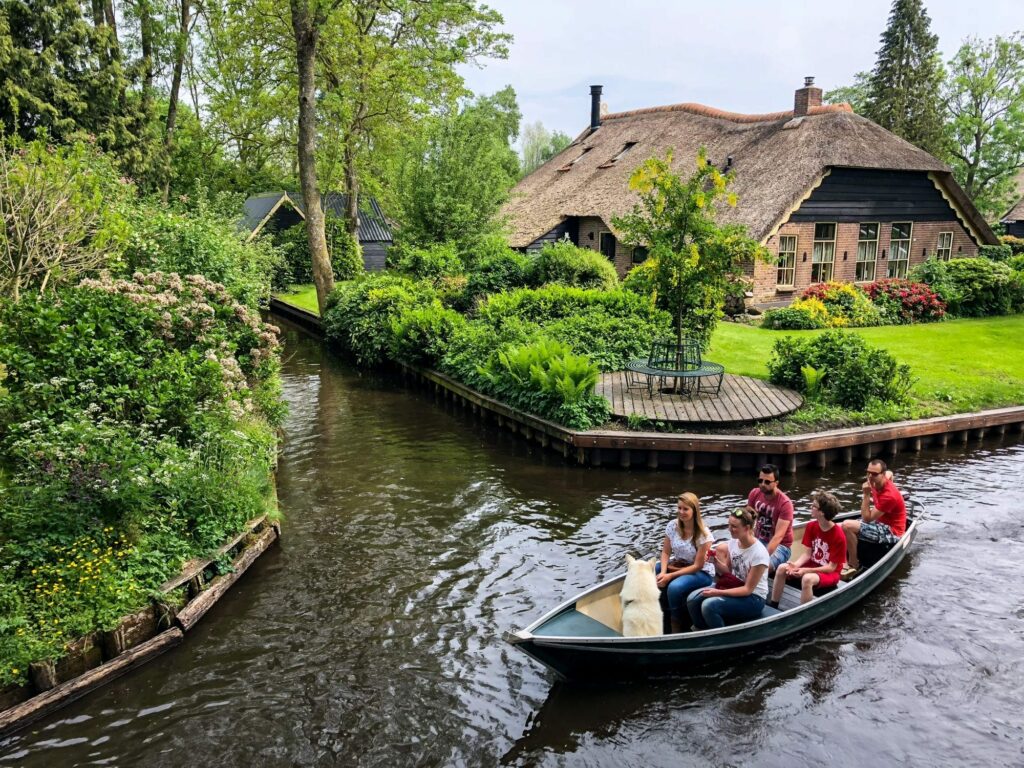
(571, 163)
(625, 148)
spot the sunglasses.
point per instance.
(873, 474)
(762, 481)
(738, 512)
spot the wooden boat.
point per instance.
(582, 638)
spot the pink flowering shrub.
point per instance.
(903, 301)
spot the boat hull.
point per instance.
(578, 658)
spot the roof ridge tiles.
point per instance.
(721, 114)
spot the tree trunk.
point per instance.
(306, 38)
(146, 33)
(352, 189)
(180, 47)
(115, 45)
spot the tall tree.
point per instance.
(905, 86)
(459, 173)
(539, 145)
(308, 17)
(181, 43)
(856, 94)
(985, 98)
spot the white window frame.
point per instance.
(895, 270)
(944, 252)
(862, 263)
(789, 266)
(824, 266)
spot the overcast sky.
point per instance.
(738, 55)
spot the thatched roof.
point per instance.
(1016, 213)
(777, 159)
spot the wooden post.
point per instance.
(894, 447)
(688, 461)
(869, 451)
(624, 458)
(848, 454)
(822, 459)
(652, 459)
(942, 439)
(915, 445)
(762, 459)
(791, 463)
(981, 434)
(964, 436)
(725, 462)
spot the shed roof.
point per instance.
(373, 226)
(777, 158)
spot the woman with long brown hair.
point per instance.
(685, 564)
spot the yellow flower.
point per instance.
(15, 670)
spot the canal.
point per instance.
(413, 537)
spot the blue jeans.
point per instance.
(680, 588)
(780, 556)
(712, 612)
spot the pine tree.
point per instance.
(904, 93)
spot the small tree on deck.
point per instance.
(693, 258)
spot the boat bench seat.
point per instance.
(572, 623)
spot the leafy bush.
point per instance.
(360, 317)
(984, 288)
(799, 316)
(136, 431)
(935, 275)
(642, 279)
(1016, 263)
(1000, 252)
(200, 241)
(297, 267)
(1016, 244)
(503, 270)
(902, 301)
(474, 250)
(427, 263)
(848, 372)
(846, 304)
(610, 327)
(546, 378)
(566, 264)
(422, 334)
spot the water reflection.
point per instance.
(414, 537)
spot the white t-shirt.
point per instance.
(744, 559)
(683, 551)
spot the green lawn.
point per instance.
(303, 296)
(960, 365)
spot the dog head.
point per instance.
(639, 566)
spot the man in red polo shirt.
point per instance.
(882, 510)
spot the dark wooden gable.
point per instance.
(862, 194)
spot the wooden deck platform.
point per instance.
(742, 400)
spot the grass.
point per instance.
(302, 296)
(960, 365)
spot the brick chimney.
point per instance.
(806, 97)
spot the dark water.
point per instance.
(413, 538)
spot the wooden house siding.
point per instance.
(862, 194)
(569, 226)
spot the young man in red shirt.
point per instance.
(822, 563)
(882, 510)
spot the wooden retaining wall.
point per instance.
(100, 657)
(686, 452)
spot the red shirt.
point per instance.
(889, 501)
(825, 546)
(769, 512)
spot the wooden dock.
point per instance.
(741, 400)
(688, 451)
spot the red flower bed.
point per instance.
(914, 302)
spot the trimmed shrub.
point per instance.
(1016, 263)
(1016, 244)
(361, 314)
(903, 301)
(503, 270)
(567, 264)
(847, 371)
(431, 262)
(474, 250)
(1000, 252)
(984, 288)
(800, 316)
(421, 334)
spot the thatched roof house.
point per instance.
(275, 211)
(811, 165)
(1013, 220)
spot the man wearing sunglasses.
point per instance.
(883, 514)
(774, 525)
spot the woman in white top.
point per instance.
(746, 559)
(685, 562)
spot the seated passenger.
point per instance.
(742, 561)
(685, 562)
(822, 563)
(882, 510)
(774, 510)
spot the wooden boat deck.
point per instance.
(742, 400)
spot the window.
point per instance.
(945, 249)
(639, 254)
(824, 255)
(899, 249)
(867, 252)
(608, 245)
(786, 277)
(625, 148)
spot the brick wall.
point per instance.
(924, 241)
(590, 237)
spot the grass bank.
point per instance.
(959, 365)
(302, 296)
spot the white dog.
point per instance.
(641, 612)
